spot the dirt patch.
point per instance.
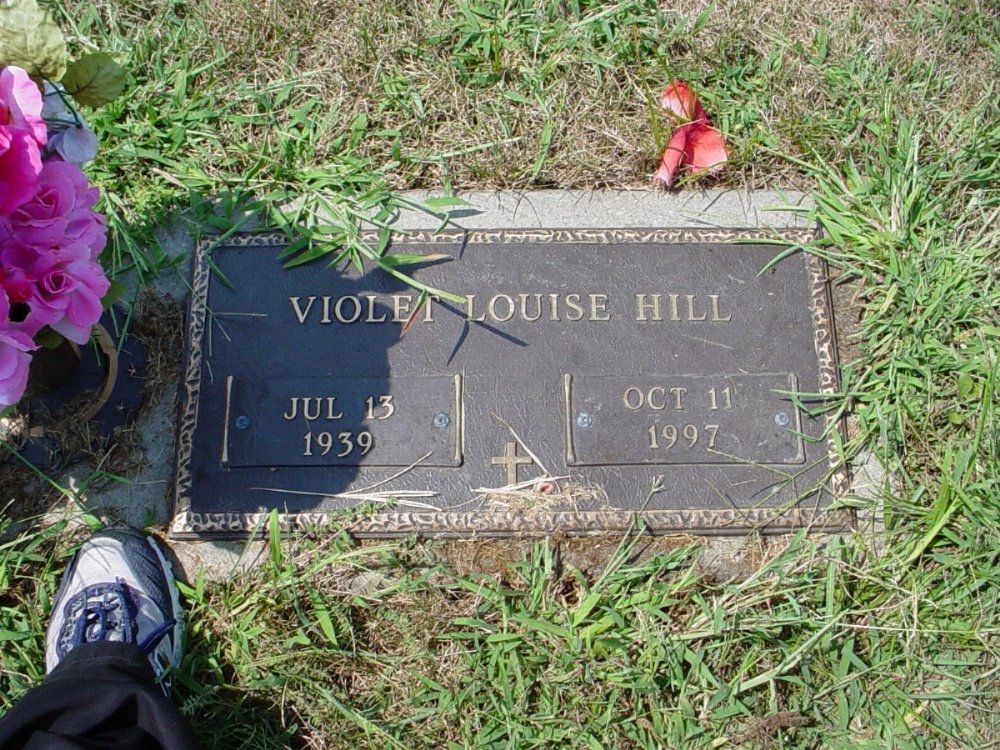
(159, 327)
(589, 554)
(29, 492)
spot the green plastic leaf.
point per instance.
(114, 293)
(94, 79)
(30, 39)
(49, 338)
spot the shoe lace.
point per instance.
(104, 611)
(156, 635)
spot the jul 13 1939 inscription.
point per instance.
(590, 381)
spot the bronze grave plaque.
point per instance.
(591, 381)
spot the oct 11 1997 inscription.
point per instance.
(590, 381)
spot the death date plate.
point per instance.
(676, 419)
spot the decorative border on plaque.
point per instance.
(188, 523)
(821, 306)
(590, 236)
(486, 523)
(188, 417)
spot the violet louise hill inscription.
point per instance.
(589, 380)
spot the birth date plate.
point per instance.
(343, 422)
(588, 381)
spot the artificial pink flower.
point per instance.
(66, 290)
(77, 289)
(705, 151)
(15, 283)
(22, 133)
(14, 358)
(680, 101)
(21, 103)
(671, 159)
(60, 213)
(20, 163)
(693, 142)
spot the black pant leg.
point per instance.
(101, 695)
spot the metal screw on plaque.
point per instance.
(781, 419)
(242, 422)
(442, 420)
(584, 420)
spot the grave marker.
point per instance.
(591, 379)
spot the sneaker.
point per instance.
(118, 587)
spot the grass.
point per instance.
(886, 113)
(279, 100)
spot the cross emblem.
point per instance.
(511, 461)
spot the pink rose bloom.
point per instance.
(67, 287)
(21, 103)
(60, 212)
(16, 284)
(22, 133)
(14, 358)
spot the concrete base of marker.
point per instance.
(144, 499)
